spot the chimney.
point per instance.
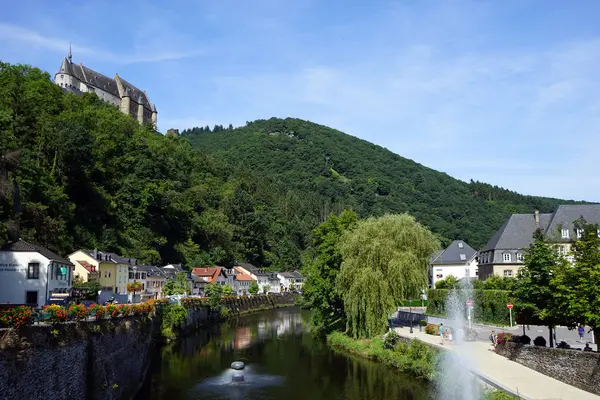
(537, 218)
(95, 254)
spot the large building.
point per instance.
(129, 99)
(503, 254)
(458, 260)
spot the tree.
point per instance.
(449, 282)
(133, 287)
(178, 286)
(533, 292)
(321, 270)
(213, 292)
(577, 288)
(384, 260)
(292, 287)
(253, 289)
(266, 288)
(228, 290)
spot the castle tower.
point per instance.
(140, 113)
(154, 116)
(125, 102)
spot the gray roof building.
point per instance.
(23, 246)
(458, 252)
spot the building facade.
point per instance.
(504, 253)
(458, 260)
(31, 274)
(113, 270)
(78, 79)
(293, 279)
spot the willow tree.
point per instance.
(384, 260)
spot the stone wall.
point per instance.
(575, 367)
(90, 361)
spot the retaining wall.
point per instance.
(574, 367)
(104, 360)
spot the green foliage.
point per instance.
(228, 290)
(179, 286)
(384, 260)
(450, 282)
(253, 289)
(391, 340)
(173, 317)
(416, 359)
(496, 282)
(432, 329)
(489, 306)
(266, 288)
(213, 292)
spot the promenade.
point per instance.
(503, 373)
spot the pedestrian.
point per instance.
(493, 338)
(442, 333)
(581, 331)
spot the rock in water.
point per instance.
(237, 365)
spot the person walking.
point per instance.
(581, 331)
(442, 333)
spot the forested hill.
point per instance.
(316, 170)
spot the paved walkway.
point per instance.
(504, 373)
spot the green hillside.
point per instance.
(326, 170)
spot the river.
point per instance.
(283, 361)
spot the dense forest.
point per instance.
(77, 173)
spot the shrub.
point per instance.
(539, 341)
(489, 306)
(57, 313)
(391, 339)
(503, 337)
(78, 312)
(16, 317)
(194, 302)
(432, 329)
(225, 312)
(98, 310)
(124, 309)
(525, 339)
(112, 310)
(422, 323)
(173, 316)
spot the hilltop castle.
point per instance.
(131, 101)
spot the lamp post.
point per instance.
(410, 312)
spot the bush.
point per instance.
(78, 312)
(98, 310)
(503, 337)
(391, 339)
(225, 312)
(432, 329)
(539, 341)
(16, 317)
(422, 323)
(525, 339)
(124, 309)
(57, 313)
(489, 306)
(112, 310)
(194, 302)
(173, 316)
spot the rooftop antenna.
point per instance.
(70, 54)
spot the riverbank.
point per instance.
(413, 357)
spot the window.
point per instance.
(31, 298)
(578, 232)
(460, 245)
(506, 257)
(565, 233)
(519, 256)
(463, 257)
(508, 272)
(33, 271)
(598, 232)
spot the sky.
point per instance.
(504, 92)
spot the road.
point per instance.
(533, 331)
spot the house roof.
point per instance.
(254, 270)
(211, 274)
(23, 246)
(435, 255)
(455, 254)
(291, 274)
(517, 231)
(89, 267)
(242, 276)
(108, 257)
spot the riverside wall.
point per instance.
(574, 367)
(104, 360)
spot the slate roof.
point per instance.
(137, 95)
(113, 258)
(452, 254)
(517, 231)
(292, 274)
(23, 246)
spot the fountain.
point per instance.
(238, 375)
(455, 380)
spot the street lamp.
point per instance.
(410, 312)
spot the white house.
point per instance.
(31, 274)
(286, 279)
(459, 260)
(267, 281)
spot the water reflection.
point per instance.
(283, 362)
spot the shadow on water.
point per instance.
(283, 361)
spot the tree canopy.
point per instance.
(384, 260)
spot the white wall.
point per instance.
(440, 272)
(14, 282)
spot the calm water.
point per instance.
(283, 362)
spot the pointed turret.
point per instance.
(126, 102)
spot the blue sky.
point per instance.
(505, 92)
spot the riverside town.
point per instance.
(240, 246)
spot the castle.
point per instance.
(130, 100)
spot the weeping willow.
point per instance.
(384, 260)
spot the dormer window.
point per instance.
(579, 233)
(506, 257)
(463, 257)
(520, 257)
(460, 245)
(565, 233)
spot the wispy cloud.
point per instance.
(38, 40)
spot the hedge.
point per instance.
(489, 306)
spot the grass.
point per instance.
(414, 303)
